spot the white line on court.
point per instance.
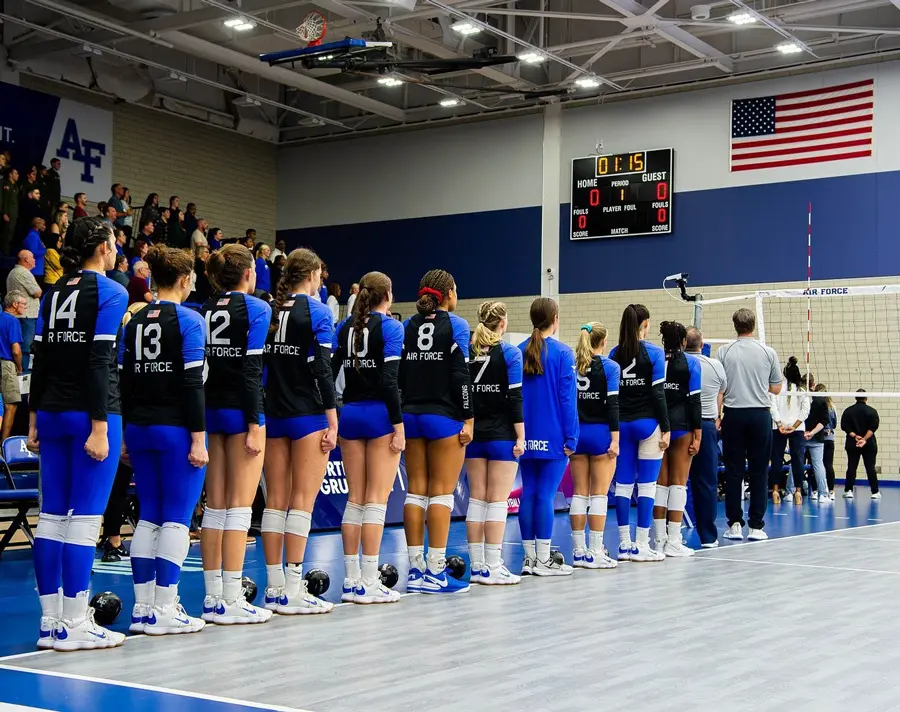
(720, 549)
(799, 566)
(827, 535)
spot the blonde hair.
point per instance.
(592, 335)
(490, 314)
(132, 310)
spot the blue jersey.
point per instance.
(642, 392)
(371, 372)
(10, 333)
(598, 393)
(683, 381)
(263, 275)
(162, 357)
(497, 391)
(74, 350)
(236, 329)
(551, 403)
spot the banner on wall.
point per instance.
(36, 128)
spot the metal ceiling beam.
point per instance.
(579, 16)
(773, 25)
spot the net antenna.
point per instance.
(313, 28)
(680, 279)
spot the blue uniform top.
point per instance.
(323, 294)
(10, 333)
(74, 351)
(683, 382)
(497, 391)
(34, 244)
(263, 275)
(551, 403)
(642, 392)
(598, 393)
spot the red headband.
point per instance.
(433, 292)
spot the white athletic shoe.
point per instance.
(735, 531)
(302, 603)
(848, 494)
(757, 535)
(626, 551)
(240, 612)
(139, 614)
(677, 549)
(348, 590)
(274, 597)
(47, 634)
(374, 592)
(831, 496)
(710, 545)
(86, 635)
(210, 606)
(824, 499)
(876, 495)
(171, 621)
(660, 544)
(597, 560)
(528, 566)
(551, 568)
(497, 576)
(643, 553)
(476, 571)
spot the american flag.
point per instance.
(828, 124)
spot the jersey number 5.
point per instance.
(583, 382)
(426, 337)
(66, 311)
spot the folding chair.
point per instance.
(17, 458)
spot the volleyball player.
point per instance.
(550, 398)
(369, 347)
(76, 424)
(594, 461)
(683, 381)
(643, 430)
(301, 429)
(237, 325)
(162, 359)
(437, 414)
(492, 457)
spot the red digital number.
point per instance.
(594, 197)
(661, 215)
(582, 222)
(662, 191)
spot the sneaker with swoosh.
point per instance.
(414, 581)
(498, 576)
(85, 635)
(47, 633)
(302, 603)
(210, 604)
(172, 620)
(348, 590)
(274, 596)
(374, 592)
(442, 583)
(239, 612)
(139, 614)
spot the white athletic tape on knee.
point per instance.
(298, 523)
(174, 543)
(213, 519)
(677, 498)
(273, 521)
(83, 530)
(52, 527)
(237, 519)
(648, 449)
(578, 506)
(661, 498)
(599, 505)
(143, 543)
(496, 511)
(476, 511)
(353, 514)
(623, 490)
(647, 489)
(442, 500)
(416, 500)
(374, 514)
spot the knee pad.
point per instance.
(298, 523)
(143, 544)
(444, 500)
(374, 514)
(677, 498)
(496, 511)
(623, 490)
(83, 530)
(647, 489)
(648, 448)
(579, 505)
(661, 499)
(214, 519)
(273, 521)
(353, 514)
(52, 527)
(174, 543)
(599, 505)
(237, 519)
(416, 500)
(476, 511)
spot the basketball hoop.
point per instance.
(312, 29)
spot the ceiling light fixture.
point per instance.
(240, 24)
(246, 101)
(450, 101)
(588, 82)
(390, 81)
(742, 18)
(532, 57)
(464, 27)
(789, 48)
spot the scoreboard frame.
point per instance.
(612, 176)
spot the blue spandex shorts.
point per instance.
(430, 427)
(228, 421)
(593, 439)
(498, 450)
(675, 434)
(295, 428)
(365, 420)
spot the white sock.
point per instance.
(434, 559)
(231, 585)
(293, 577)
(597, 541)
(578, 539)
(642, 535)
(659, 529)
(164, 597)
(370, 568)
(416, 557)
(143, 593)
(51, 604)
(275, 575)
(543, 549)
(213, 581)
(75, 609)
(625, 535)
(674, 532)
(492, 554)
(351, 566)
(529, 549)
(476, 553)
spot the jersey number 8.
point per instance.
(426, 337)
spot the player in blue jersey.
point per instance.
(594, 461)
(76, 424)
(492, 457)
(643, 430)
(301, 429)
(369, 348)
(237, 325)
(437, 413)
(162, 360)
(551, 427)
(683, 382)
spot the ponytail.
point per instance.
(434, 290)
(630, 333)
(487, 332)
(592, 336)
(374, 289)
(543, 313)
(673, 335)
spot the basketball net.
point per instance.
(312, 29)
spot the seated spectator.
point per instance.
(190, 219)
(263, 276)
(81, 205)
(35, 245)
(150, 211)
(334, 292)
(161, 227)
(53, 270)
(60, 223)
(139, 285)
(214, 237)
(276, 271)
(141, 248)
(198, 237)
(120, 272)
(128, 222)
(280, 249)
(11, 356)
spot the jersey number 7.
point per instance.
(484, 361)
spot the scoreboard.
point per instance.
(622, 194)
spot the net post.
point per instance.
(760, 322)
(698, 315)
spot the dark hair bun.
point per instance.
(792, 361)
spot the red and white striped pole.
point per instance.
(808, 289)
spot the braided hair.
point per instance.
(86, 236)
(673, 335)
(374, 289)
(434, 290)
(298, 267)
(487, 333)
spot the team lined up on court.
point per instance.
(213, 397)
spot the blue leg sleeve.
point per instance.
(626, 471)
(55, 480)
(647, 472)
(530, 471)
(549, 476)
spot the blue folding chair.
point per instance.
(18, 463)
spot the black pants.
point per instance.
(114, 516)
(704, 478)
(868, 454)
(746, 438)
(828, 457)
(796, 443)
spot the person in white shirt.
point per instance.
(790, 408)
(198, 239)
(351, 300)
(334, 291)
(280, 249)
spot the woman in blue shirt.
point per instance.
(551, 427)
(263, 278)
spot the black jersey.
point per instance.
(372, 374)
(162, 358)
(298, 360)
(434, 375)
(236, 329)
(75, 346)
(496, 391)
(598, 393)
(641, 386)
(683, 381)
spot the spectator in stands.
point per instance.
(4, 160)
(80, 206)
(161, 228)
(351, 300)
(53, 270)
(29, 209)
(280, 249)
(190, 219)
(101, 209)
(176, 234)
(334, 293)
(121, 240)
(276, 272)
(50, 185)
(214, 237)
(147, 232)
(198, 236)
(31, 182)
(202, 289)
(60, 222)
(120, 272)
(21, 279)
(11, 356)
(141, 248)
(263, 274)
(323, 288)
(139, 285)
(129, 218)
(249, 239)
(117, 200)
(111, 213)
(35, 245)
(860, 421)
(150, 211)
(9, 210)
